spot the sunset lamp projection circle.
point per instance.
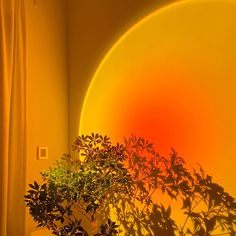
(172, 80)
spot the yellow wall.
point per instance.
(47, 96)
(94, 26)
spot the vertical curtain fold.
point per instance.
(13, 117)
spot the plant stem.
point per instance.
(144, 207)
(191, 210)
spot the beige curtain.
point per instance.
(12, 119)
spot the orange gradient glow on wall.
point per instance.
(172, 79)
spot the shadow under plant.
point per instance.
(115, 184)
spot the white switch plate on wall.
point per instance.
(42, 153)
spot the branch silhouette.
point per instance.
(114, 185)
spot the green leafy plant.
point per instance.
(121, 187)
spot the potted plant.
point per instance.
(111, 189)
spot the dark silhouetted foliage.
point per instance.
(126, 183)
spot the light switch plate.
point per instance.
(42, 153)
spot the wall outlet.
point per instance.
(42, 153)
